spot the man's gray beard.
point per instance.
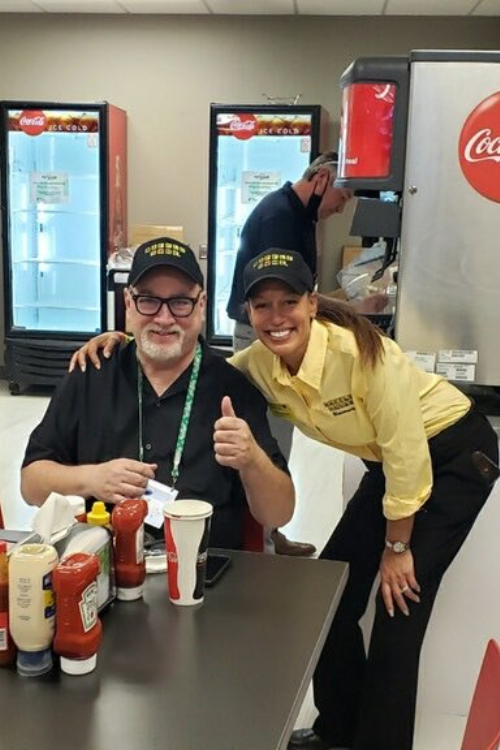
(161, 353)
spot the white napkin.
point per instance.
(54, 519)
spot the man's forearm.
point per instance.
(269, 490)
(41, 478)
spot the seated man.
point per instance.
(163, 407)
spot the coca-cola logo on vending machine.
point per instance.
(32, 121)
(243, 126)
(479, 148)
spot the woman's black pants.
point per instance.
(367, 701)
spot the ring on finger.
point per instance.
(405, 588)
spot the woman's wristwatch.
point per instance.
(397, 547)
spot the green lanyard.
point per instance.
(186, 413)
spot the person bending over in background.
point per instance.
(107, 432)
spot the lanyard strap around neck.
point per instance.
(186, 412)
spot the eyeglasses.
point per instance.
(179, 307)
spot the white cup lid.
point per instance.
(189, 509)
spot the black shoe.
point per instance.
(307, 739)
(283, 546)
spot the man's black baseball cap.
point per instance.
(284, 265)
(164, 251)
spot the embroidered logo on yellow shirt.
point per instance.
(340, 405)
(281, 410)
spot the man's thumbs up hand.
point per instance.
(234, 444)
(227, 407)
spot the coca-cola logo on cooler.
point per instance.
(479, 148)
(33, 121)
(243, 126)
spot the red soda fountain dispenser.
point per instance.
(371, 149)
(373, 124)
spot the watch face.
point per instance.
(399, 547)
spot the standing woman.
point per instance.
(426, 449)
(428, 455)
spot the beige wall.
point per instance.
(165, 71)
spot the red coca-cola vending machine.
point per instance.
(424, 131)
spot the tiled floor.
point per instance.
(313, 520)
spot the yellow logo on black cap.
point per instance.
(273, 259)
(165, 248)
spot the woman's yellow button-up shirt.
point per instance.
(386, 413)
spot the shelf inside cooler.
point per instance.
(52, 211)
(58, 261)
(55, 306)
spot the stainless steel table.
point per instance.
(229, 675)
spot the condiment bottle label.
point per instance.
(139, 545)
(4, 642)
(88, 606)
(48, 596)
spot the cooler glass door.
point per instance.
(54, 219)
(252, 154)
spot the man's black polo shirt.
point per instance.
(278, 220)
(93, 417)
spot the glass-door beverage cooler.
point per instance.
(253, 150)
(63, 182)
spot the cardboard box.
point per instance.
(140, 233)
(350, 253)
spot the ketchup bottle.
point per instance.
(78, 628)
(127, 519)
(7, 645)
